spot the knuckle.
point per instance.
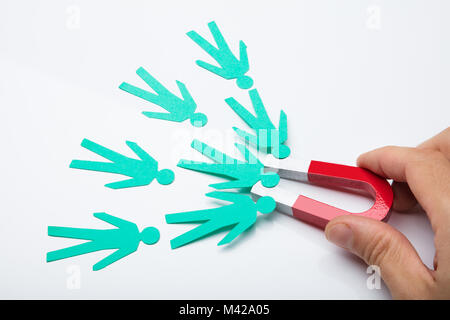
(388, 149)
(425, 157)
(379, 247)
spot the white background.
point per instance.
(349, 80)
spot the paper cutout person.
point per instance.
(267, 136)
(178, 109)
(231, 67)
(244, 174)
(142, 172)
(125, 238)
(240, 215)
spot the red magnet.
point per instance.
(329, 175)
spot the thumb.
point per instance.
(377, 243)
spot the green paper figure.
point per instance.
(245, 174)
(240, 215)
(267, 136)
(125, 238)
(142, 171)
(231, 67)
(178, 109)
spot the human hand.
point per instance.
(421, 175)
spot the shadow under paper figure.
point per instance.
(240, 216)
(142, 172)
(178, 109)
(230, 66)
(244, 173)
(267, 137)
(125, 238)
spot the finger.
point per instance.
(427, 173)
(440, 142)
(404, 199)
(379, 244)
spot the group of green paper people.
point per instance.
(241, 212)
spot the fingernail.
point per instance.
(341, 235)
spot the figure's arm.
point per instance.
(190, 216)
(243, 57)
(226, 196)
(282, 127)
(211, 152)
(101, 150)
(141, 153)
(161, 116)
(113, 257)
(250, 157)
(197, 233)
(239, 183)
(113, 220)
(212, 168)
(185, 93)
(247, 137)
(216, 70)
(128, 183)
(234, 233)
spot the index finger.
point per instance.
(427, 173)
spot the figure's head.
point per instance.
(265, 205)
(244, 82)
(150, 235)
(199, 119)
(282, 152)
(165, 176)
(270, 179)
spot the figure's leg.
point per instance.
(141, 93)
(73, 233)
(205, 45)
(243, 113)
(152, 82)
(76, 250)
(162, 116)
(95, 166)
(218, 37)
(194, 234)
(260, 110)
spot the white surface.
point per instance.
(347, 83)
